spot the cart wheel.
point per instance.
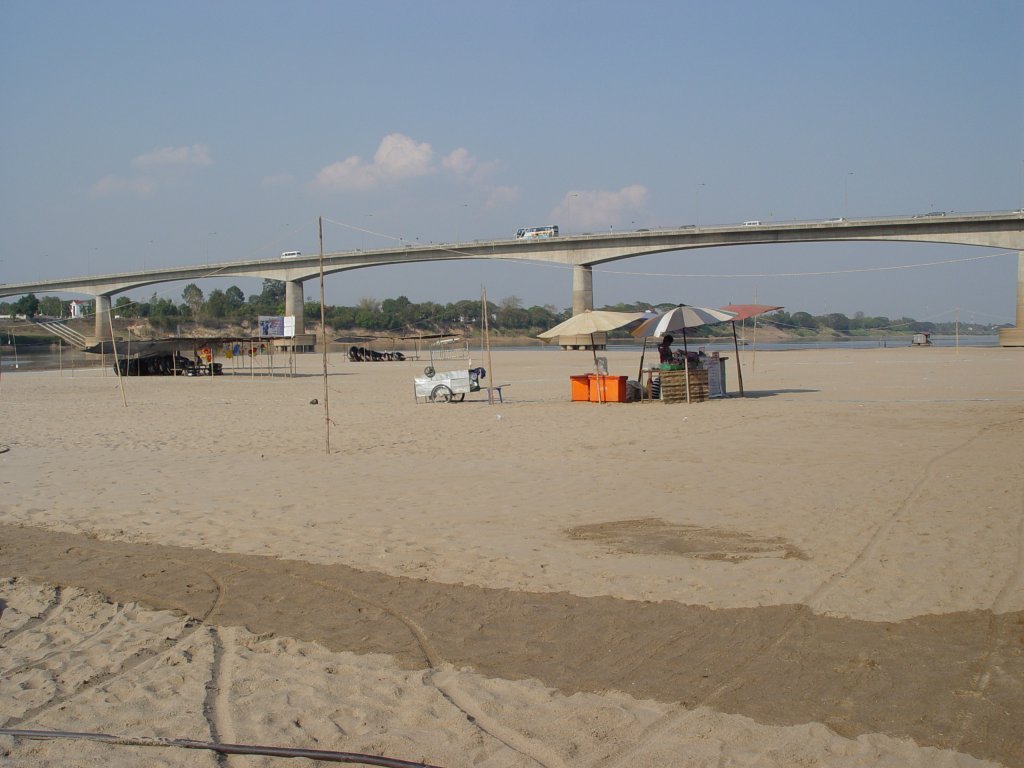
(441, 394)
(428, 371)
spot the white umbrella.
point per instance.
(590, 322)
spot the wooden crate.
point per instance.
(673, 386)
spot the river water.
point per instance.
(50, 359)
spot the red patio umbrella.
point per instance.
(743, 311)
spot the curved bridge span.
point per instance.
(582, 252)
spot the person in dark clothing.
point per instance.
(665, 349)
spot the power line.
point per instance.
(812, 274)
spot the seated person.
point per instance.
(665, 349)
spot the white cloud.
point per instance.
(599, 209)
(398, 157)
(112, 185)
(460, 162)
(499, 197)
(346, 174)
(157, 166)
(196, 155)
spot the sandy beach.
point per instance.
(826, 572)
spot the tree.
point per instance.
(125, 307)
(273, 293)
(193, 297)
(51, 306)
(368, 304)
(466, 311)
(27, 305)
(235, 297)
(804, 320)
(511, 316)
(217, 305)
(543, 317)
(162, 308)
(837, 321)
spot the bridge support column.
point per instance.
(101, 326)
(582, 300)
(582, 288)
(1014, 337)
(294, 304)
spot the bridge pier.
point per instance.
(582, 288)
(294, 305)
(582, 300)
(1014, 337)
(101, 325)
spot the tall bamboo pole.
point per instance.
(323, 337)
(487, 342)
(117, 367)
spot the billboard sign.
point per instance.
(276, 326)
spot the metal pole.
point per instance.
(736, 347)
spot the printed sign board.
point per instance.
(277, 327)
(716, 374)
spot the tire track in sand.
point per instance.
(34, 621)
(621, 757)
(138, 661)
(441, 677)
(1000, 626)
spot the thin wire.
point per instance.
(535, 264)
(811, 274)
(526, 262)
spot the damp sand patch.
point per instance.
(653, 536)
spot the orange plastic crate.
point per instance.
(607, 389)
(580, 388)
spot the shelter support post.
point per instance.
(1014, 337)
(294, 304)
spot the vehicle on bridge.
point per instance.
(537, 233)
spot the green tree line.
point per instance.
(224, 308)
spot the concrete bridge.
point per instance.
(582, 252)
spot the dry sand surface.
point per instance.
(828, 572)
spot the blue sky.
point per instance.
(155, 134)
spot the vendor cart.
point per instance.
(449, 386)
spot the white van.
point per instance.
(290, 254)
(752, 223)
